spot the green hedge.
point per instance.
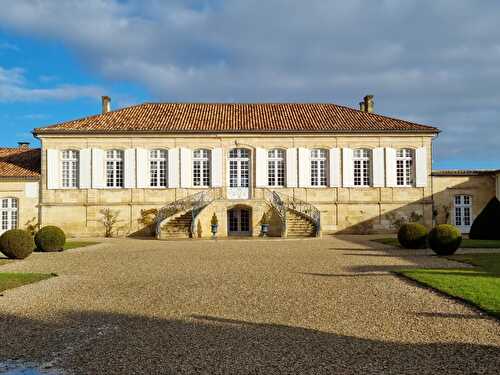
(16, 244)
(413, 236)
(487, 223)
(445, 239)
(50, 238)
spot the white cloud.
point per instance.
(434, 60)
(15, 88)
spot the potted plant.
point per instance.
(214, 225)
(264, 224)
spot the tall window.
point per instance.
(318, 167)
(463, 204)
(114, 168)
(404, 167)
(362, 171)
(276, 167)
(8, 214)
(158, 168)
(69, 160)
(201, 168)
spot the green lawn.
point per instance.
(479, 286)
(10, 280)
(76, 244)
(466, 243)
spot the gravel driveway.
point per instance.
(327, 306)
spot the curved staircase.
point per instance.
(178, 227)
(298, 225)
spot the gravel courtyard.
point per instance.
(328, 306)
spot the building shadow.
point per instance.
(110, 343)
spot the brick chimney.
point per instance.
(23, 145)
(362, 106)
(368, 103)
(106, 104)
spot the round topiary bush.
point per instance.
(50, 238)
(16, 244)
(413, 236)
(445, 239)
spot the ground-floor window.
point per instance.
(8, 214)
(463, 204)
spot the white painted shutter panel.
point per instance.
(334, 161)
(186, 167)
(260, 167)
(304, 167)
(378, 167)
(53, 169)
(291, 167)
(98, 178)
(129, 168)
(390, 167)
(347, 167)
(217, 167)
(85, 172)
(31, 189)
(142, 168)
(421, 167)
(173, 168)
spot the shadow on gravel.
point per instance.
(99, 343)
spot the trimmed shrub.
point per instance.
(413, 236)
(487, 223)
(50, 238)
(16, 244)
(445, 239)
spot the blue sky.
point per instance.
(434, 62)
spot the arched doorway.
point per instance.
(239, 221)
(239, 174)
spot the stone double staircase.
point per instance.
(177, 219)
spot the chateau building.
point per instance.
(167, 169)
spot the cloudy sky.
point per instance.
(436, 62)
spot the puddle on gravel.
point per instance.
(27, 368)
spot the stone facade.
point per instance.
(25, 192)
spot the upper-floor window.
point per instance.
(114, 168)
(362, 167)
(8, 214)
(158, 168)
(69, 168)
(318, 167)
(404, 167)
(201, 168)
(275, 167)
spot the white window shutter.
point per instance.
(85, 172)
(31, 189)
(173, 168)
(129, 168)
(347, 167)
(186, 167)
(304, 167)
(291, 167)
(334, 162)
(421, 167)
(390, 167)
(142, 168)
(260, 167)
(378, 167)
(217, 167)
(53, 169)
(98, 171)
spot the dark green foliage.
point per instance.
(413, 236)
(445, 239)
(487, 223)
(16, 244)
(50, 238)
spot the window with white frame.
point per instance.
(8, 214)
(201, 168)
(158, 168)
(276, 167)
(69, 168)
(404, 167)
(114, 168)
(362, 167)
(319, 160)
(463, 205)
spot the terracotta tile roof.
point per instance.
(465, 172)
(236, 118)
(20, 162)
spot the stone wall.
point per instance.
(360, 210)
